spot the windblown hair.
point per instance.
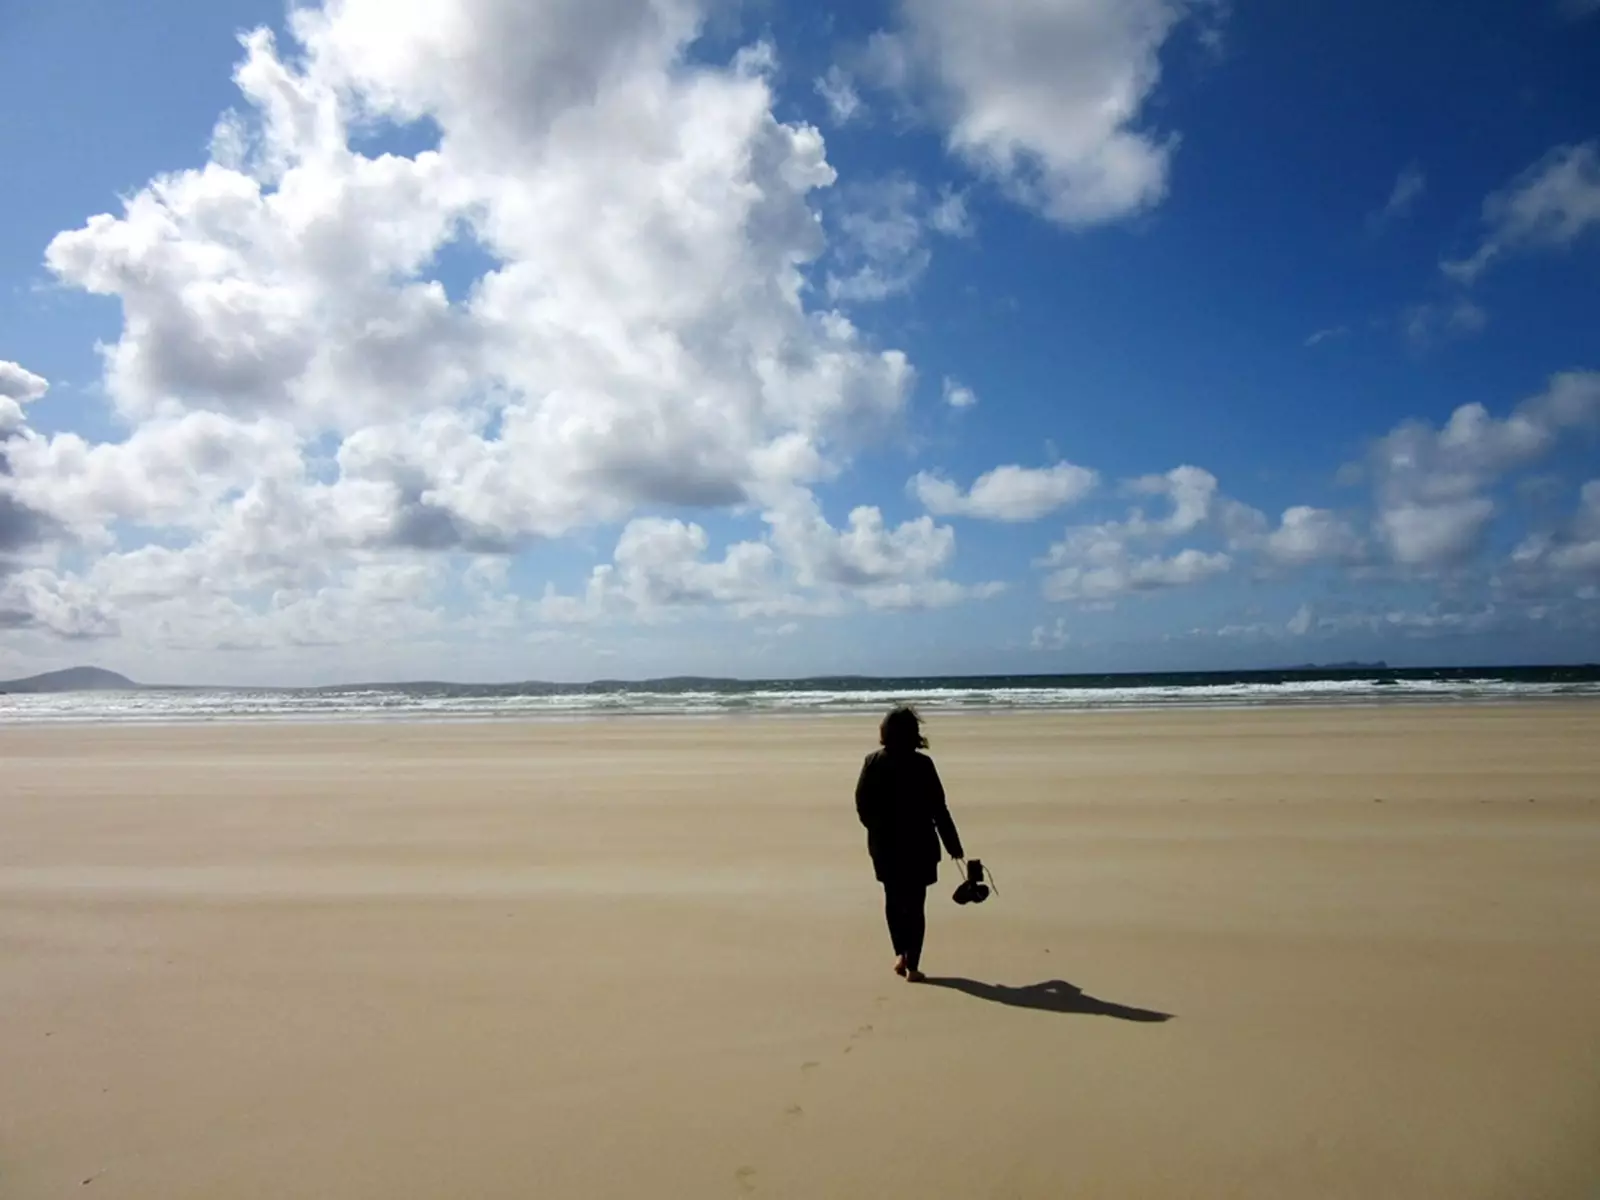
(902, 730)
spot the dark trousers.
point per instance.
(905, 905)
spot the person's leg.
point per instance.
(914, 925)
(892, 906)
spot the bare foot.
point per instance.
(914, 976)
(900, 965)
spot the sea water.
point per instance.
(706, 697)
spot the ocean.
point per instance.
(720, 697)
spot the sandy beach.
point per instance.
(1330, 952)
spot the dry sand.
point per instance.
(645, 959)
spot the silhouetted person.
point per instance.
(901, 802)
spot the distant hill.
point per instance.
(73, 679)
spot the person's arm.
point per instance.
(942, 819)
(865, 797)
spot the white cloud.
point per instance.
(39, 599)
(1044, 98)
(1307, 535)
(1192, 492)
(1238, 631)
(1101, 562)
(881, 248)
(1425, 324)
(1327, 335)
(950, 215)
(659, 563)
(1051, 637)
(838, 91)
(958, 394)
(1196, 501)
(1587, 523)
(866, 552)
(883, 243)
(20, 384)
(641, 337)
(1112, 573)
(1578, 557)
(1431, 510)
(1407, 190)
(370, 603)
(805, 565)
(1303, 621)
(1437, 620)
(1437, 534)
(1576, 549)
(308, 402)
(23, 527)
(1548, 207)
(169, 472)
(1008, 493)
(931, 593)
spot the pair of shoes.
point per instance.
(900, 966)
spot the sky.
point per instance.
(562, 339)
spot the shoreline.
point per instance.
(930, 712)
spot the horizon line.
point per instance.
(357, 684)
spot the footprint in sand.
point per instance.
(746, 1177)
(794, 1110)
(810, 1066)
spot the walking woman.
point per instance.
(901, 802)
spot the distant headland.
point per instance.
(73, 679)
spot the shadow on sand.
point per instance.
(1055, 995)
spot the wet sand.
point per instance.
(1332, 952)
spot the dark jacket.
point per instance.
(901, 802)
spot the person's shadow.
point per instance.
(1055, 995)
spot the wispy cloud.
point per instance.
(1051, 637)
(1425, 324)
(881, 246)
(1407, 190)
(1327, 335)
(1548, 207)
(958, 394)
(838, 91)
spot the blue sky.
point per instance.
(499, 340)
